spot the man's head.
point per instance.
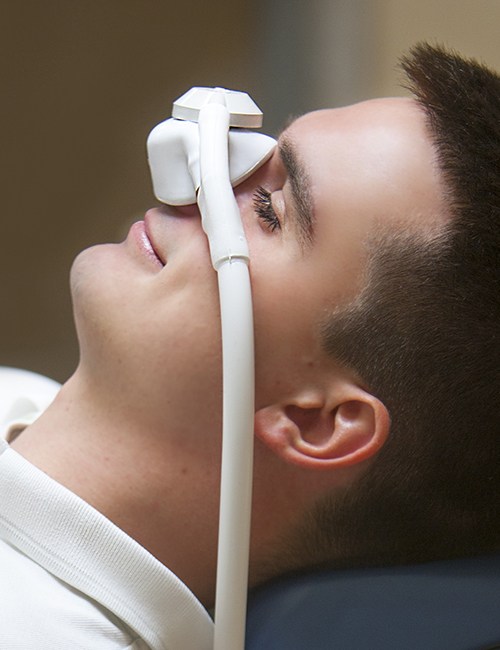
(354, 233)
(423, 335)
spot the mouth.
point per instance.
(141, 235)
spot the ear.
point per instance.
(316, 432)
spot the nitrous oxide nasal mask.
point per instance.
(174, 145)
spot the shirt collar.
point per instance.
(76, 543)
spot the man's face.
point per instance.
(150, 330)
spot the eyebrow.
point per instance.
(301, 190)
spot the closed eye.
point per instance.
(264, 209)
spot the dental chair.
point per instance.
(448, 605)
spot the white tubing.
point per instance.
(222, 223)
(220, 215)
(237, 456)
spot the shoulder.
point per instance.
(23, 396)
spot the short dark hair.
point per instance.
(424, 337)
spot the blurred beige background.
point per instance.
(83, 82)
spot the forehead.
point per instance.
(391, 114)
(375, 156)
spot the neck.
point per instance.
(162, 494)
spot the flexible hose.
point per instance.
(222, 222)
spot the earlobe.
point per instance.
(323, 435)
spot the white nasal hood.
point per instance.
(174, 148)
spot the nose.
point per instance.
(190, 210)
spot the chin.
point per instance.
(89, 267)
(140, 346)
(94, 284)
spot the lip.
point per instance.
(140, 235)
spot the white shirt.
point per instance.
(72, 580)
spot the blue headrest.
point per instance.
(451, 605)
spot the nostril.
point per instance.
(191, 210)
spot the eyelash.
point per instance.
(264, 208)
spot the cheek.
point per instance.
(284, 313)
